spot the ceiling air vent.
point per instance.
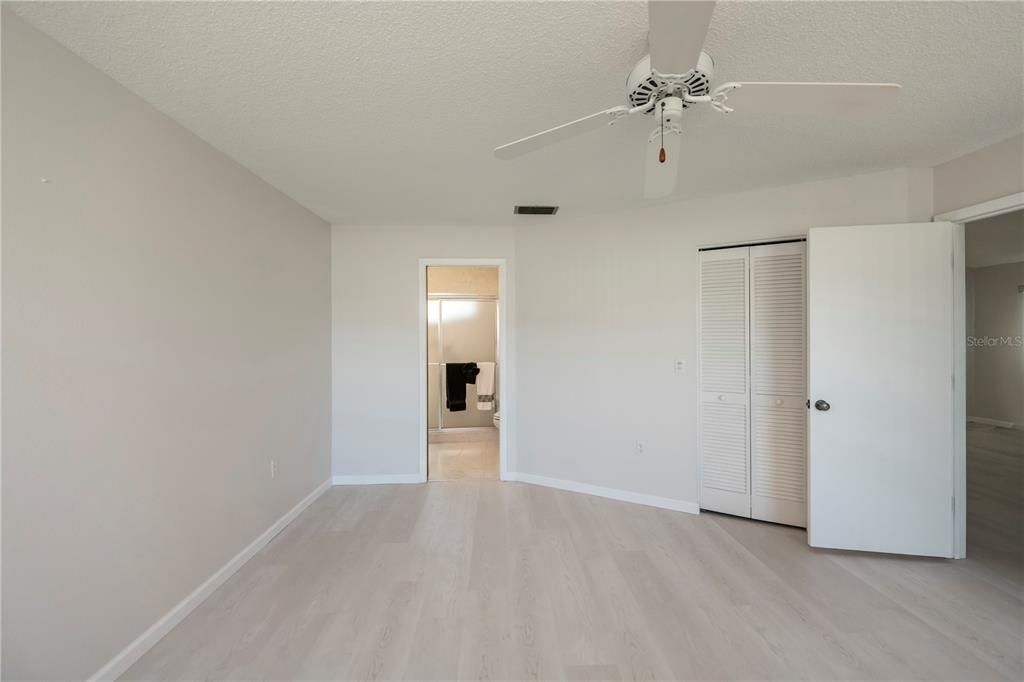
(536, 210)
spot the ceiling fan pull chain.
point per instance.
(661, 154)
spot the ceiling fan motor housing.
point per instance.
(644, 84)
(669, 112)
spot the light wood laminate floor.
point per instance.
(995, 499)
(479, 579)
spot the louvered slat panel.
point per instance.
(724, 325)
(724, 329)
(778, 324)
(778, 457)
(724, 442)
(779, 453)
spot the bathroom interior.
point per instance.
(463, 414)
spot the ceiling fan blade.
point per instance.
(814, 98)
(660, 178)
(566, 130)
(676, 33)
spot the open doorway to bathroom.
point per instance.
(462, 357)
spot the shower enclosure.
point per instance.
(460, 328)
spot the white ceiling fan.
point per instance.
(677, 74)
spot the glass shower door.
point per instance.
(467, 331)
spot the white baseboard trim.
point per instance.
(120, 663)
(991, 422)
(377, 479)
(610, 493)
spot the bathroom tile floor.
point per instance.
(461, 460)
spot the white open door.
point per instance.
(881, 367)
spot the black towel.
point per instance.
(457, 375)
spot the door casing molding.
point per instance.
(962, 216)
(506, 393)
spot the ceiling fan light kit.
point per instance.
(678, 74)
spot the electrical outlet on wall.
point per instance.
(680, 365)
(639, 447)
(273, 468)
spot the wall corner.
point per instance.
(920, 195)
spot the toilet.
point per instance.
(497, 420)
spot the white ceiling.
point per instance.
(388, 112)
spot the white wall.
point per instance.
(988, 173)
(606, 306)
(166, 334)
(376, 336)
(603, 305)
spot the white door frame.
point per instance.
(961, 216)
(504, 357)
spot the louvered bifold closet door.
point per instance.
(778, 451)
(724, 422)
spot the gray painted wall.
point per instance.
(996, 240)
(166, 334)
(995, 359)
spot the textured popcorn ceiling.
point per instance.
(388, 112)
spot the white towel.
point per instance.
(485, 386)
